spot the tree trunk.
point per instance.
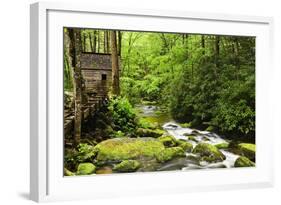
(75, 52)
(95, 42)
(217, 48)
(84, 42)
(104, 42)
(107, 42)
(67, 42)
(203, 44)
(91, 41)
(119, 42)
(98, 42)
(114, 61)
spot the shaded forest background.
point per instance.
(205, 80)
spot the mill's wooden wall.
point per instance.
(93, 66)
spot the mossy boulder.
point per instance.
(248, 150)
(192, 138)
(208, 152)
(66, 172)
(86, 168)
(223, 145)
(243, 162)
(170, 153)
(120, 149)
(168, 141)
(142, 132)
(186, 125)
(186, 146)
(127, 166)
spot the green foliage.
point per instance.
(83, 153)
(123, 114)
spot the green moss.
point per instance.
(86, 168)
(186, 146)
(210, 128)
(119, 149)
(243, 162)
(191, 137)
(223, 145)
(149, 132)
(170, 153)
(185, 125)
(248, 150)
(66, 172)
(127, 166)
(146, 124)
(168, 141)
(208, 152)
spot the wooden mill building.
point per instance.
(96, 71)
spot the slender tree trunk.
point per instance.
(114, 61)
(203, 44)
(107, 41)
(217, 53)
(119, 42)
(91, 41)
(95, 42)
(98, 42)
(75, 52)
(217, 48)
(104, 42)
(84, 42)
(67, 42)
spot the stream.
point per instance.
(165, 120)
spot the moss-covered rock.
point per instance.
(66, 172)
(192, 138)
(243, 162)
(223, 145)
(120, 149)
(208, 152)
(248, 150)
(186, 125)
(168, 141)
(127, 166)
(170, 153)
(186, 146)
(86, 168)
(149, 132)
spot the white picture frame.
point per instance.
(46, 141)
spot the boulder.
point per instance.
(66, 172)
(142, 132)
(248, 150)
(208, 152)
(119, 149)
(170, 153)
(223, 145)
(127, 166)
(168, 141)
(86, 168)
(243, 162)
(186, 146)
